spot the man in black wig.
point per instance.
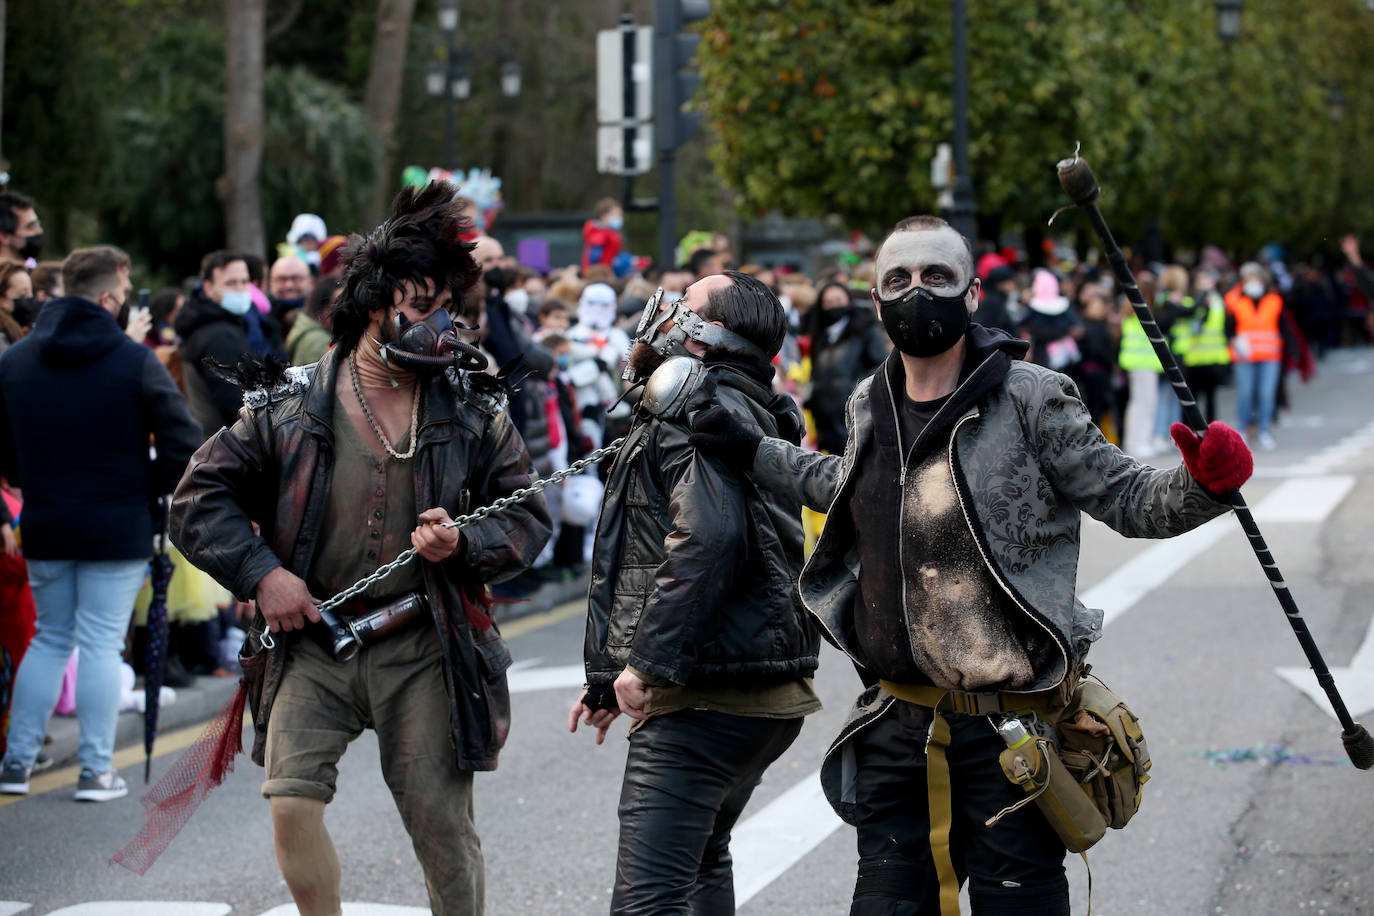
(328, 474)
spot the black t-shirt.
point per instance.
(914, 416)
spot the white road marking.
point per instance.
(1144, 572)
(1328, 459)
(356, 909)
(560, 677)
(774, 839)
(1356, 683)
(1308, 499)
(143, 908)
(1304, 499)
(10, 907)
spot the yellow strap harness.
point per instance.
(938, 784)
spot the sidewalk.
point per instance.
(200, 701)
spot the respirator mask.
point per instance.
(430, 345)
(686, 323)
(923, 324)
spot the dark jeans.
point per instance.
(1014, 867)
(688, 776)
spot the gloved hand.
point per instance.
(716, 432)
(600, 696)
(1220, 461)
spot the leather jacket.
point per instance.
(694, 576)
(273, 466)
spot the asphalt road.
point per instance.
(1195, 643)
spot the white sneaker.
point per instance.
(100, 787)
(1266, 442)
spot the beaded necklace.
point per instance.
(367, 412)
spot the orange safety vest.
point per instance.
(1258, 324)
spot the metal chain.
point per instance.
(538, 486)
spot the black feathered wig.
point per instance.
(420, 241)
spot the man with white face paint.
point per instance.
(954, 597)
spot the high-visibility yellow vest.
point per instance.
(1136, 352)
(1208, 345)
(1181, 333)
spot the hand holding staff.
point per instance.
(1081, 185)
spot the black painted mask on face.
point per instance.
(923, 324)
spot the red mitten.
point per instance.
(1220, 461)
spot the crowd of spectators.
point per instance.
(559, 338)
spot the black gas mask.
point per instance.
(921, 323)
(430, 345)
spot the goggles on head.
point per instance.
(686, 323)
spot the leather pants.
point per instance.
(688, 776)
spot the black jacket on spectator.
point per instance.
(836, 367)
(207, 330)
(78, 401)
(507, 340)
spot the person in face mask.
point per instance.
(847, 343)
(17, 307)
(345, 465)
(717, 660)
(21, 232)
(601, 236)
(213, 325)
(947, 565)
(1253, 315)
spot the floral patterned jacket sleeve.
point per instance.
(1134, 499)
(811, 477)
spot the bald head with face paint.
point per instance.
(926, 251)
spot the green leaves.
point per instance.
(837, 106)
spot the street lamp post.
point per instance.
(451, 81)
(1228, 18)
(511, 76)
(963, 210)
(448, 24)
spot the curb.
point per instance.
(199, 702)
(194, 704)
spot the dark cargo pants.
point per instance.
(1014, 868)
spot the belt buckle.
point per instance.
(977, 704)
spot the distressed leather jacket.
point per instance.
(273, 467)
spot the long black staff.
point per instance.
(1078, 181)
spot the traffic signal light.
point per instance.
(673, 83)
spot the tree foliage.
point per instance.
(157, 188)
(837, 106)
